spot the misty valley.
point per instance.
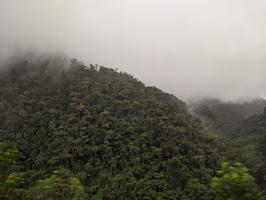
(72, 131)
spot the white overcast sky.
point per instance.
(191, 48)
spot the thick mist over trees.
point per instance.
(189, 48)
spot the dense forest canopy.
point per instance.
(91, 132)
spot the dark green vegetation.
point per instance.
(234, 182)
(241, 128)
(95, 133)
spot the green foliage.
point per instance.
(60, 185)
(14, 187)
(7, 161)
(233, 182)
(11, 182)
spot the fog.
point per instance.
(191, 48)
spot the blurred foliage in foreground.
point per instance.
(234, 183)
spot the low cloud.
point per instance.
(190, 48)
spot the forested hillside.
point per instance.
(242, 129)
(94, 133)
(69, 131)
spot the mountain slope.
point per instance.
(121, 139)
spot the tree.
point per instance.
(60, 185)
(233, 182)
(11, 182)
(7, 161)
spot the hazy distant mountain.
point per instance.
(241, 127)
(228, 117)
